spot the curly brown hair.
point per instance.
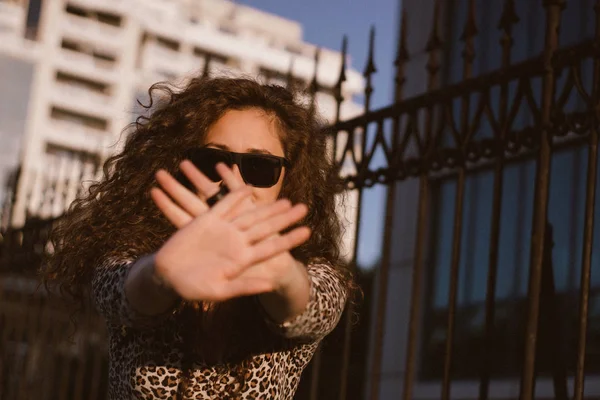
(117, 217)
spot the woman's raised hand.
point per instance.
(210, 257)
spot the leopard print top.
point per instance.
(145, 353)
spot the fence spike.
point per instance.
(339, 96)
(470, 29)
(314, 84)
(509, 16)
(435, 42)
(401, 56)
(468, 37)
(370, 69)
(507, 20)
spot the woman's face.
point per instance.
(248, 131)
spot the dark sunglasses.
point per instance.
(258, 170)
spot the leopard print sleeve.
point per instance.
(108, 294)
(324, 309)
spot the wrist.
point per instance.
(143, 293)
(294, 279)
(157, 274)
(291, 296)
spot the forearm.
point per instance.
(327, 296)
(291, 299)
(144, 292)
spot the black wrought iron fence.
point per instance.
(526, 112)
(522, 111)
(42, 357)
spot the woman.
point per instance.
(200, 302)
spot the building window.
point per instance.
(34, 12)
(167, 43)
(98, 87)
(109, 18)
(62, 114)
(60, 151)
(70, 45)
(99, 55)
(100, 16)
(214, 57)
(88, 49)
(78, 11)
(296, 49)
(328, 90)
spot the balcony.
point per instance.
(82, 99)
(91, 31)
(170, 64)
(116, 6)
(77, 136)
(88, 65)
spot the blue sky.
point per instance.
(325, 22)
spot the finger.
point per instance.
(205, 186)
(278, 244)
(242, 208)
(231, 180)
(175, 214)
(184, 198)
(276, 223)
(252, 217)
(245, 286)
(231, 200)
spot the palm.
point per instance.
(209, 258)
(203, 261)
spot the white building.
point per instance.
(82, 64)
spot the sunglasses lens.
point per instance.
(260, 171)
(206, 159)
